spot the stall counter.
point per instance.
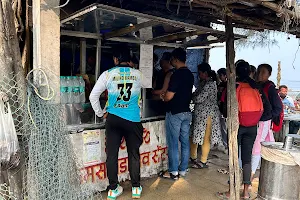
(90, 152)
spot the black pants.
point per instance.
(116, 129)
(246, 139)
(294, 127)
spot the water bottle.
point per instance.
(76, 94)
(69, 85)
(82, 89)
(63, 90)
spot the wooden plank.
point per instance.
(129, 29)
(80, 34)
(204, 43)
(232, 112)
(175, 36)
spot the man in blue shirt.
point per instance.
(287, 101)
(288, 104)
(123, 84)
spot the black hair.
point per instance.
(221, 71)
(134, 59)
(237, 62)
(243, 71)
(252, 69)
(179, 54)
(166, 56)
(266, 66)
(122, 53)
(155, 57)
(205, 67)
(283, 86)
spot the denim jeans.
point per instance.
(224, 131)
(178, 129)
(294, 127)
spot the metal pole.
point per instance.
(82, 51)
(144, 103)
(98, 59)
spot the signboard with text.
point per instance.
(91, 161)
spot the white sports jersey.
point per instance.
(124, 91)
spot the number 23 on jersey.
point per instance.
(125, 91)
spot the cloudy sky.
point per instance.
(285, 51)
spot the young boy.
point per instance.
(264, 132)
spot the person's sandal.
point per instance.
(197, 164)
(222, 195)
(246, 198)
(223, 171)
(168, 175)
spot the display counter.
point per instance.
(89, 144)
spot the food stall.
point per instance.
(87, 38)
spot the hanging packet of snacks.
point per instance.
(9, 145)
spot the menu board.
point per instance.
(146, 63)
(146, 54)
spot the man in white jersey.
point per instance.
(123, 120)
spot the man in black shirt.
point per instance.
(178, 119)
(221, 87)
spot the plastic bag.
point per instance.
(9, 145)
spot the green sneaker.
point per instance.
(113, 194)
(136, 192)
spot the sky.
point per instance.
(285, 51)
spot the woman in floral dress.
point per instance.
(206, 129)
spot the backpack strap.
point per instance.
(266, 88)
(223, 96)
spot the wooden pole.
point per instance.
(232, 114)
(278, 74)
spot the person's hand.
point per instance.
(105, 115)
(162, 96)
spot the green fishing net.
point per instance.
(48, 169)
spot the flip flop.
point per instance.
(222, 195)
(167, 175)
(223, 171)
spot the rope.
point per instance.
(50, 91)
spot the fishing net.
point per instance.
(6, 193)
(48, 168)
(16, 92)
(51, 168)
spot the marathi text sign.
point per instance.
(93, 171)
